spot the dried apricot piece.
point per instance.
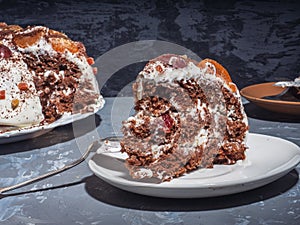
(13, 27)
(220, 71)
(61, 44)
(159, 69)
(90, 60)
(26, 40)
(55, 33)
(233, 87)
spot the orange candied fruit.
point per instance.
(13, 27)
(56, 33)
(220, 72)
(233, 87)
(23, 86)
(26, 40)
(90, 60)
(61, 44)
(159, 69)
(2, 94)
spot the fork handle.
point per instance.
(49, 174)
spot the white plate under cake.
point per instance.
(253, 172)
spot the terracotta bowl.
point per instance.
(255, 94)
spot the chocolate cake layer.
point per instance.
(186, 117)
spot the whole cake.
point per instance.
(187, 115)
(43, 76)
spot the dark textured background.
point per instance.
(256, 41)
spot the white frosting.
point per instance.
(40, 47)
(157, 150)
(231, 111)
(29, 109)
(170, 74)
(143, 173)
(86, 69)
(30, 29)
(138, 119)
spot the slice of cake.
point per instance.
(43, 76)
(188, 115)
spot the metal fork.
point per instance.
(69, 166)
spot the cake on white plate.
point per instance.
(44, 75)
(188, 115)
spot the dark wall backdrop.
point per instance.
(257, 41)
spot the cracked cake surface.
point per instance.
(188, 115)
(43, 76)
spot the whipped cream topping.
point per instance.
(18, 108)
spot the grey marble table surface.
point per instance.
(257, 41)
(77, 196)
